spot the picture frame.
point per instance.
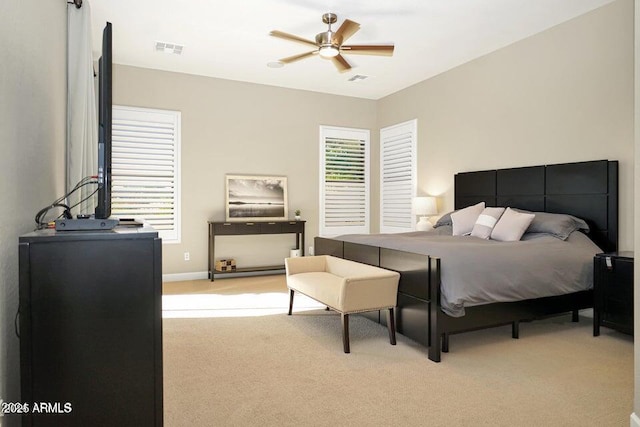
(256, 198)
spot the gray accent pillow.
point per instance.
(558, 225)
(463, 220)
(486, 221)
(444, 220)
(511, 226)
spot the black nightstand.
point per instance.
(613, 292)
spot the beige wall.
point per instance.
(563, 95)
(231, 127)
(32, 134)
(560, 96)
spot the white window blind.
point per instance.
(398, 177)
(344, 181)
(146, 168)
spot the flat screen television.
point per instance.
(103, 205)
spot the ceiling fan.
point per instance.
(329, 44)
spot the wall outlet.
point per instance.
(186, 256)
(310, 250)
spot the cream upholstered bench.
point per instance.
(345, 286)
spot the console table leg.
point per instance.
(212, 249)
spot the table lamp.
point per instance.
(424, 207)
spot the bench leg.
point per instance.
(445, 343)
(515, 330)
(290, 301)
(345, 332)
(391, 325)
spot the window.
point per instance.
(344, 181)
(146, 168)
(398, 177)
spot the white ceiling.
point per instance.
(230, 39)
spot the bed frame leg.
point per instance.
(391, 325)
(445, 343)
(515, 330)
(290, 301)
(345, 332)
(575, 316)
(434, 309)
(434, 351)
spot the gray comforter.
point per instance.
(476, 271)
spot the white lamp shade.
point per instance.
(424, 206)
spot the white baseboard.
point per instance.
(635, 420)
(179, 277)
(199, 275)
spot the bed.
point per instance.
(586, 190)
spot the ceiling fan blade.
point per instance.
(341, 64)
(291, 37)
(347, 29)
(294, 58)
(374, 49)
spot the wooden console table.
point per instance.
(255, 227)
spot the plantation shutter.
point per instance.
(344, 181)
(145, 168)
(397, 177)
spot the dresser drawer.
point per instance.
(223, 228)
(249, 228)
(292, 227)
(270, 228)
(620, 275)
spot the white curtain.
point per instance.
(82, 119)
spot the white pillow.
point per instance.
(511, 226)
(464, 219)
(486, 221)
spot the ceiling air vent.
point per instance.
(169, 47)
(357, 77)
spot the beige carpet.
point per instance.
(276, 369)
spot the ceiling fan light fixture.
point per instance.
(329, 51)
(330, 44)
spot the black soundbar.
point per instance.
(85, 224)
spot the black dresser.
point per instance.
(613, 292)
(90, 327)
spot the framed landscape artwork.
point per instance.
(256, 198)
